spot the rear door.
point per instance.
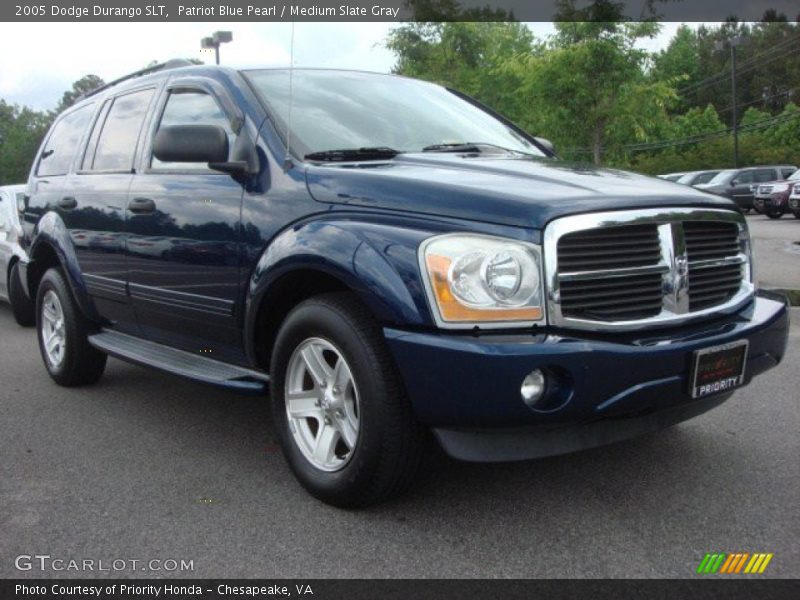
(183, 234)
(99, 191)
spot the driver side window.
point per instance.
(192, 107)
(744, 177)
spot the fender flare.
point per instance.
(384, 276)
(52, 232)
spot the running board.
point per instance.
(180, 362)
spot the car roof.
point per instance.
(13, 189)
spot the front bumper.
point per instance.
(610, 386)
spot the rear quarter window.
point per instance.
(62, 143)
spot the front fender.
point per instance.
(377, 261)
(51, 231)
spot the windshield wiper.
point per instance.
(375, 153)
(467, 147)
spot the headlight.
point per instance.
(476, 279)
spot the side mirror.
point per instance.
(547, 144)
(734, 182)
(191, 143)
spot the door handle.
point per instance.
(141, 206)
(67, 203)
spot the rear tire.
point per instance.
(22, 307)
(63, 331)
(373, 456)
(796, 214)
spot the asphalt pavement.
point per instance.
(777, 250)
(147, 467)
(144, 466)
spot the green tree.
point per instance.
(588, 88)
(467, 56)
(85, 84)
(21, 132)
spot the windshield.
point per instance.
(723, 176)
(686, 179)
(335, 110)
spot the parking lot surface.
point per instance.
(144, 466)
(777, 250)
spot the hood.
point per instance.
(524, 192)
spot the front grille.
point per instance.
(619, 298)
(635, 268)
(710, 284)
(710, 239)
(622, 297)
(765, 189)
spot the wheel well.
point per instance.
(43, 259)
(286, 293)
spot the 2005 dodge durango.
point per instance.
(383, 258)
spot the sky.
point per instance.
(39, 61)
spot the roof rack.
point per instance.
(170, 64)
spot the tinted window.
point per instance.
(744, 177)
(704, 177)
(763, 175)
(117, 143)
(57, 154)
(786, 173)
(191, 108)
(723, 177)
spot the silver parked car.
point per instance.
(10, 254)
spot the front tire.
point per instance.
(63, 335)
(339, 407)
(775, 214)
(22, 307)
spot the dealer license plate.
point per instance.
(718, 369)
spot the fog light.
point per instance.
(533, 387)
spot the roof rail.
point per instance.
(170, 64)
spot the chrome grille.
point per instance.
(625, 297)
(711, 284)
(634, 269)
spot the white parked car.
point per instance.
(10, 253)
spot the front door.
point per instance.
(182, 224)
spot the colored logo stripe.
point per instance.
(734, 562)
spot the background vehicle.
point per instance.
(405, 261)
(11, 253)
(672, 176)
(772, 199)
(794, 200)
(737, 184)
(697, 177)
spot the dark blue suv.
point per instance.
(386, 258)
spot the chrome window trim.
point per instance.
(672, 265)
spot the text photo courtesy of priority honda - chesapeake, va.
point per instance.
(416, 298)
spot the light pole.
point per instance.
(215, 40)
(733, 43)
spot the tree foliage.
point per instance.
(22, 130)
(593, 90)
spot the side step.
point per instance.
(180, 362)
